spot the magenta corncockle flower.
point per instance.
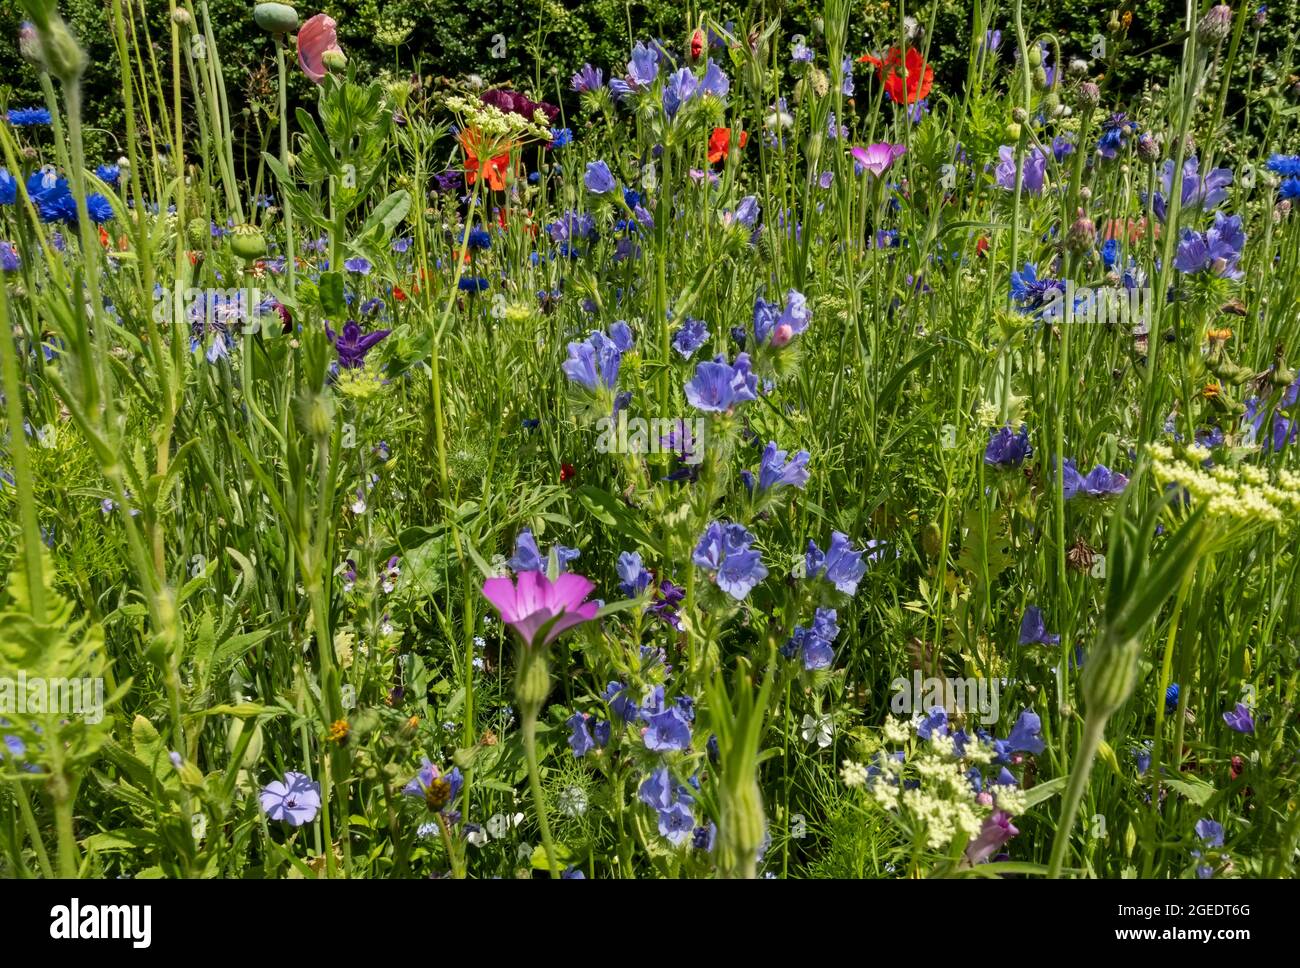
(997, 830)
(878, 157)
(529, 605)
(315, 37)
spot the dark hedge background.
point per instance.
(454, 38)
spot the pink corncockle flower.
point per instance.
(536, 600)
(996, 832)
(878, 157)
(315, 37)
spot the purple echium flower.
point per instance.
(580, 741)
(528, 557)
(841, 564)
(643, 67)
(1101, 481)
(1240, 719)
(587, 79)
(791, 321)
(668, 729)
(715, 81)
(295, 799)
(719, 386)
(435, 788)
(1033, 171)
(775, 471)
(681, 87)
(746, 212)
(620, 702)
(358, 264)
(877, 158)
(1008, 449)
(352, 344)
(598, 179)
(725, 551)
(633, 577)
(1033, 628)
(690, 336)
(813, 645)
(1216, 250)
(672, 801)
(594, 362)
(1198, 193)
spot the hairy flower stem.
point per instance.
(1094, 731)
(535, 785)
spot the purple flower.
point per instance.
(1198, 193)
(774, 471)
(1033, 629)
(1240, 719)
(1033, 170)
(1217, 250)
(537, 602)
(689, 337)
(679, 89)
(433, 787)
(715, 81)
(995, 833)
(634, 578)
(9, 261)
(643, 68)
(877, 158)
(813, 644)
(676, 824)
(1101, 481)
(352, 344)
(718, 386)
(620, 702)
(594, 362)
(746, 213)
(357, 264)
(1210, 834)
(667, 730)
(1024, 736)
(725, 551)
(842, 566)
(580, 741)
(1113, 132)
(528, 557)
(295, 799)
(598, 178)
(1007, 449)
(587, 79)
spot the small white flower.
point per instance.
(819, 730)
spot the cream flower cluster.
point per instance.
(494, 125)
(1243, 493)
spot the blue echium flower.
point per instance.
(841, 565)
(621, 704)
(1239, 719)
(1008, 449)
(1101, 481)
(668, 729)
(1033, 170)
(587, 79)
(1033, 628)
(1285, 430)
(358, 264)
(671, 801)
(718, 386)
(598, 179)
(580, 739)
(1171, 698)
(679, 89)
(9, 261)
(1217, 250)
(528, 557)
(813, 644)
(1114, 130)
(1198, 193)
(1024, 736)
(715, 82)
(690, 336)
(642, 70)
(1210, 834)
(633, 577)
(352, 344)
(724, 550)
(775, 471)
(594, 362)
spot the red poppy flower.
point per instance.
(982, 246)
(567, 472)
(399, 294)
(697, 44)
(720, 143)
(495, 169)
(903, 89)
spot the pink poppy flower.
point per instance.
(536, 600)
(315, 37)
(878, 157)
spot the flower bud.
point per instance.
(1109, 675)
(60, 51)
(782, 335)
(1082, 235)
(1035, 57)
(696, 46)
(318, 415)
(1148, 149)
(532, 681)
(1013, 131)
(29, 45)
(276, 18)
(334, 60)
(1215, 26)
(181, 18)
(1040, 78)
(1019, 115)
(1089, 95)
(741, 825)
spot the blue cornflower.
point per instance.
(476, 238)
(29, 117)
(560, 138)
(1032, 293)
(472, 284)
(1288, 166)
(109, 174)
(1171, 698)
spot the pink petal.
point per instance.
(315, 37)
(568, 592)
(501, 593)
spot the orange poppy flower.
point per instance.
(494, 171)
(720, 143)
(903, 90)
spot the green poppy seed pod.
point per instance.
(1109, 675)
(318, 415)
(62, 55)
(1089, 95)
(1215, 26)
(276, 18)
(247, 242)
(335, 60)
(253, 751)
(1040, 78)
(1035, 57)
(1013, 131)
